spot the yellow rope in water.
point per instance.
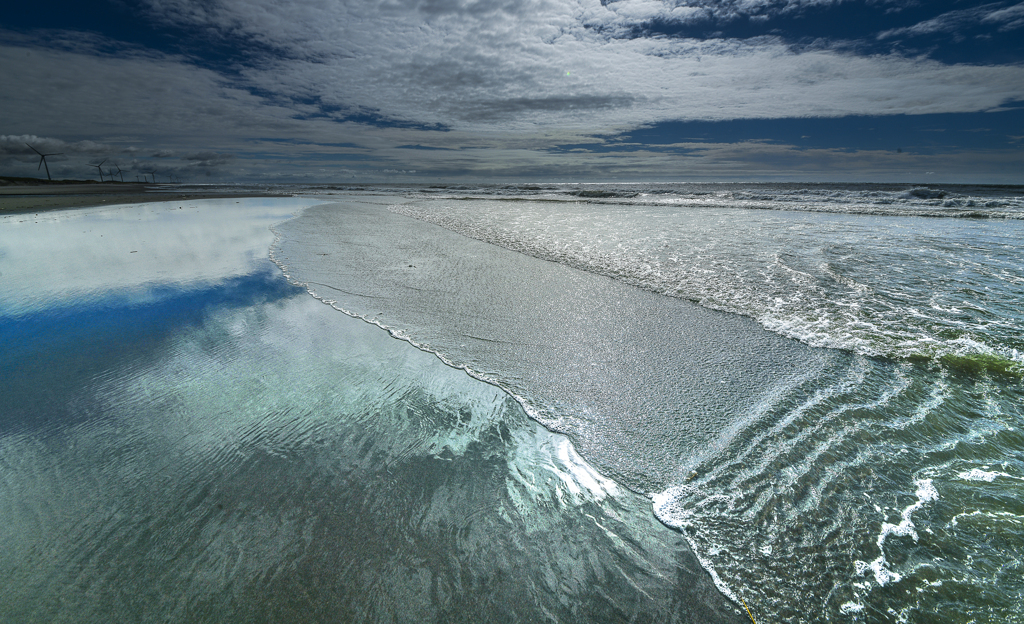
(748, 611)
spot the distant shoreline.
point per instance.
(21, 197)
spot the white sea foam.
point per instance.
(926, 492)
(975, 474)
(850, 607)
(824, 282)
(666, 507)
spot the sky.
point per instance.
(311, 91)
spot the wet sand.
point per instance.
(37, 198)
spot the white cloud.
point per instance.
(509, 77)
(1009, 18)
(1006, 19)
(557, 63)
(488, 65)
(685, 11)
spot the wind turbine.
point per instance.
(120, 173)
(42, 160)
(98, 168)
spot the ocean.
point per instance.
(511, 403)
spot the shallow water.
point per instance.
(861, 482)
(216, 445)
(645, 384)
(817, 388)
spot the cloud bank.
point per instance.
(558, 63)
(353, 81)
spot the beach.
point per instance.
(567, 402)
(36, 198)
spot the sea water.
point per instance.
(813, 392)
(185, 436)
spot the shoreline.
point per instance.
(39, 198)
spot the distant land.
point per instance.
(19, 195)
(9, 181)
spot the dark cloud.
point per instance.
(19, 144)
(208, 159)
(512, 107)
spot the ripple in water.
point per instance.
(245, 453)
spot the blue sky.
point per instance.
(551, 90)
